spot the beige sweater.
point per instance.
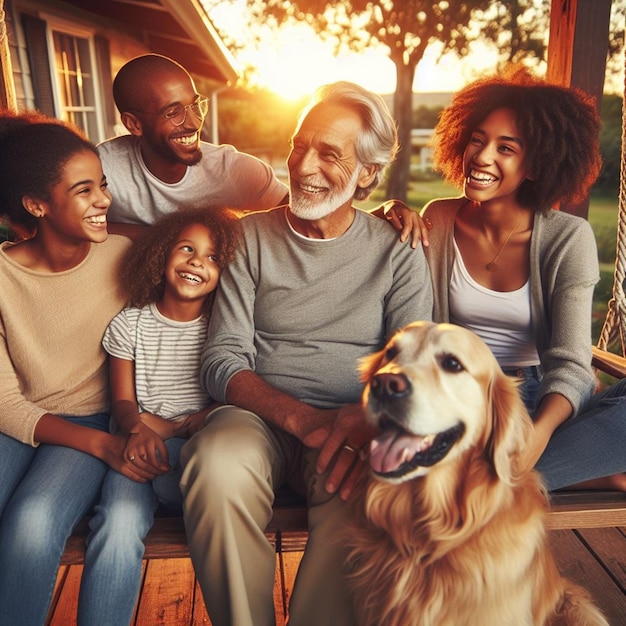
(51, 328)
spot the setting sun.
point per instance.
(294, 61)
(294, 65)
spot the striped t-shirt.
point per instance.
(167, 359)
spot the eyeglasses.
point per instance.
(177, 114)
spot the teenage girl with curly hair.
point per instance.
(155, 344)
(509, 266)
(58, 461)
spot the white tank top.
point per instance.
(478, 308)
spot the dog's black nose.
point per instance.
(386, 386)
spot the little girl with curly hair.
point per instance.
(155, 344)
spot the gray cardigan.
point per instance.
(563, 273)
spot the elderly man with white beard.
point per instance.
(315, 286)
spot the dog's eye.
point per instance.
(391, 353)
(451, 364)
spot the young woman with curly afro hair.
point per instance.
(511, 267)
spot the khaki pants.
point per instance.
(230, 471)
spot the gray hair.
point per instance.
(378, 144)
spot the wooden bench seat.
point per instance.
(287, 531)
(587, 509)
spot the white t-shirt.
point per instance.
(224, 178)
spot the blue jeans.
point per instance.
(590, 445)
(44, 492)
(167, 486)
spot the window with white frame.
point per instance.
(75, 80)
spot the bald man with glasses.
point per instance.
(163, 165)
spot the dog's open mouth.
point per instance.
(397, 452)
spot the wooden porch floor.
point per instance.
(170, 596)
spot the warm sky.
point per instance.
(296, 62)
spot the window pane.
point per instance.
(74, 67)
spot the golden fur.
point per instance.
(462, 542)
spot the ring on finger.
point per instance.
(350, 448)
(132, 459)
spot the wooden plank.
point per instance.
(577, 564)
(200, 615)
(280, 592)
(612, 364)
(167, 539)
(58, 588)
(67, 602)
(609, 547)
(292, 540)
(290, 565)
(287, 531)
(587, 509)
(167, 595)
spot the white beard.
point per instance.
(311, 208)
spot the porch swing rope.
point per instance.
(615, 320)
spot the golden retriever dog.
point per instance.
(448, 532)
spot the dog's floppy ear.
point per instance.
(511, 426)
(368, 365)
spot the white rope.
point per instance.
(615, 321)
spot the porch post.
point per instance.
(577, 51)
(7, 89)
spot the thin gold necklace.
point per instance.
(492, 265)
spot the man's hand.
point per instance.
(192, 423)
(342, 454)
(339, 434)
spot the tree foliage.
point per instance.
(259, 122)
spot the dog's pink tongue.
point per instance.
(391, 449)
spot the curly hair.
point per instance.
(143, 268)
(560, 127)
(33, 151)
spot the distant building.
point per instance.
(421, 137)
(428, 99)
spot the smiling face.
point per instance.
(494, 159)
(162, 141)
(78, 204)
(437, 393)
(191, 269)
(324, 170)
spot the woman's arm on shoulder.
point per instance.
(404, 219)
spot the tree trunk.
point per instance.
(398, 184)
